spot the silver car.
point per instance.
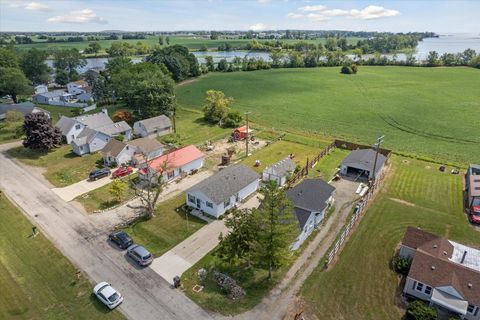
(108, 295)
(140, 255)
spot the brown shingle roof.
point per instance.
(440, 248)
(415, 237)
(113, 148)
(146, 144)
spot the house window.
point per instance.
(192, 199)
(226, 203)
(419, 287)
(209, 204)
(170, 174)
(428, 290)
(476, 311)
(81, 148)
(470, 308)
(77, 127)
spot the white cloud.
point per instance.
(81, 16)
(264, 1)
(260, 27)
(373, 12)
(32, 6)
(322, 13)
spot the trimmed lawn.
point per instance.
(101, 199)
(36, 281)
(10, 131)
(62, 166)
(326, 167)
(168, 228)
(361, 284)
(428, 112)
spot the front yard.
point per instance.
(170, 226)
(36, 281)
(361, 285)
(61, 166)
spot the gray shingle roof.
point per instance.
(146, 144)
(85, 136)
(65, 124)
(113, 148)
(161, 121)
(52, 94)
(24, 107)
(309, 196)
(114, 128)
(95, 120)
(226, 183)
(283, 167)
(364, 159)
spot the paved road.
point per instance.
(188, 252)
(147, 295)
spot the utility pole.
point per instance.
(376, 146)
(248, 135)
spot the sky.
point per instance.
(443, 17)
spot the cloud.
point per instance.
(260, 27)
(264, 1)
(81, 16)
(322, 13)
(32, 6)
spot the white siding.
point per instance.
(98, 142)
(139, 129)
(74, 132)
(407, 252)
(410, 285)
(80, 150)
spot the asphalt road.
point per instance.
(147, 295)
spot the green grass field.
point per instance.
(36, 281)
(430, 112)
(168, 228)
(361, 284)
(62, 166)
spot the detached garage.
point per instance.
(359, 163)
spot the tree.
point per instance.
(33, 65)
(203, 48)
(467, 56)
(123, 115)
(160, 40)
(209, 63)
(276, 230)
(217, 106)
(8, 58)
(93, 47)
(117, 189)
(39, 132)
(222, 65)
(13, 82)
(237, 244)
(121, 49)
(331, 44)
(118, 64)
(179, 61)
(432, 59)
(68, 60)
(475, 62)
(167, 40)
(233, 119)
(419, 310)
(349, 69)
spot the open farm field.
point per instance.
(425, 112)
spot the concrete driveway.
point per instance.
(184, 255)
(72, 191)
(147, 295)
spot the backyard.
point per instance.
(361, 284)
(36, 280)
(427, 112)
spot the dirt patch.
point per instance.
(299, 309)
(428, 167)
(180, 84)
(219, 148)
(403, 202)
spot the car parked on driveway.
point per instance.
(475, 215)
(99, 173)
(140, 255)
(121, 172)
(107, 295)
(121, 238)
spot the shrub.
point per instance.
(13, 116)
(401, 265)
(349, 69)
(419, 310)
(120, 137)
(233, 119)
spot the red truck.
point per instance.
(121, 172)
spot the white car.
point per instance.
(108, 295)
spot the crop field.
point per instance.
(361, 284)
(193, 43)
(36, 281)
(427, 112)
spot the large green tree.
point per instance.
(33, 65)
(217, 106)
(8, 58)
(13, 82)
(39, 133)
(179, 61)
(276, 229)
(67, 61)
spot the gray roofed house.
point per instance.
(94, 121)
(223, 190)
(23, 107)
(65, 124)
(115, 128)
(153, 127)
(311, 198)
(360, 163)
(279, 171)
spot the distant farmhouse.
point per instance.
(311, 198)
(24, 108)
(153, 127)
(444, 273)
(90, 133)
(280, 171)
(223, 190)
(78, 94)
(360, 163)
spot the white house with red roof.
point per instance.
(173, 164)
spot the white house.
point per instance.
(444, 273)
(78, 87)
(279, 171)
(117, 152)
(153, 127)
(146, 149)
(311, 198)
(89, 140)
(173, 164)
(223, 190)
(41, 88)
(49, 97)
(134, 151)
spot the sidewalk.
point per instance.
(188, 252)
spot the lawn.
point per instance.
(101, 199)
(169, 227)
(361, 284)
(36, 281)
(423, 111)
(10, 131)
(327, 166)
(62, 166)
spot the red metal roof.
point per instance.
(177, 158)
(243, 129)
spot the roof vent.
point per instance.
(464, 255)
(435, 246)
(433, 267)
(469, 285)
(445, 252)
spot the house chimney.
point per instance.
(104, 110)
(435, 246)
(464, 255)
(470, 285)
(433, 267)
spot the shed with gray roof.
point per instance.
(279, 171)
(223, 190)
(361, 162)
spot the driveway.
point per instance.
(72, 191)
(147, 295)
(184, 255)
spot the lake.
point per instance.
(443, 44)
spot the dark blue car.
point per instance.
(99, 173)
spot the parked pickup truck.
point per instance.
(99, 173)
(121, 172)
